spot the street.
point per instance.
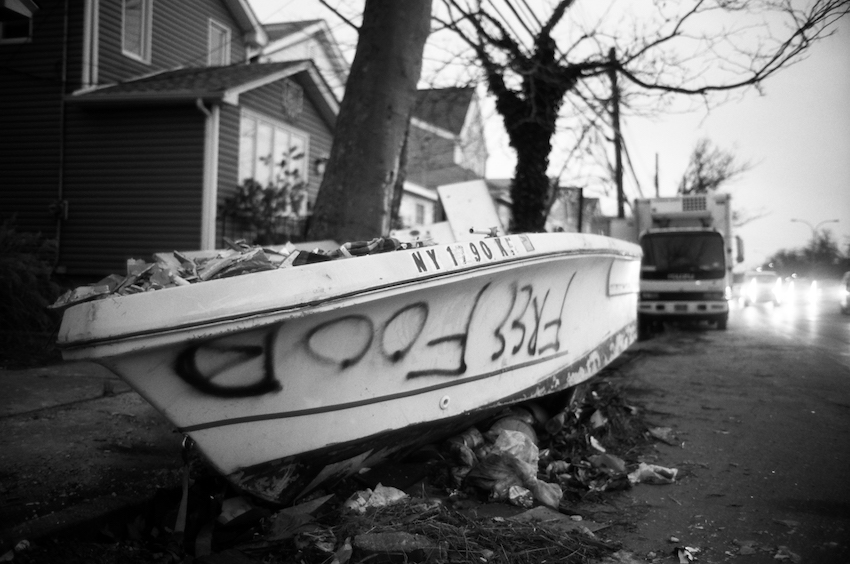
(817, 323)
(761, 414)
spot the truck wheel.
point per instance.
(721, 323)
(644, 328)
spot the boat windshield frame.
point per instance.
(698, 255)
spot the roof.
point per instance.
(253, 31)
(276, 31)
(499, 188)
(211, 84)
(284, 36)
(432, 178)
(444, 107)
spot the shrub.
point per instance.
(27, 327)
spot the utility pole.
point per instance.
(657, 190)
(615, 118)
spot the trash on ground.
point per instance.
(653, 474)
(381, 496)
(547, 517)
(685, 554)
(783, 553)
(663, 434)
(608, 462)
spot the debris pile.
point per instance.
(181, 269)
(529, 456)
(502, 494)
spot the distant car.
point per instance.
(802, 289)
(844, 293)
(762, 286)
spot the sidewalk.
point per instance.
(76, 445)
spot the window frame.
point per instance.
(145, 31)
(217, 26)
(17, 39)
(276, 125)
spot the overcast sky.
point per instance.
(796, 136)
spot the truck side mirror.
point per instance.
(740, 244)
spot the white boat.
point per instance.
(288, 378)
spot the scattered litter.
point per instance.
(608, 462)
(663, 434)
(747, 548)
(597, 420)
(783, 553)
(381, 496)
(552, 519)
(596, 444)
(622, 557)
(520, 496)
(685, 554)
(653, 474)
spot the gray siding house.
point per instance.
(126, 124)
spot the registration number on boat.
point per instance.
(471, 252)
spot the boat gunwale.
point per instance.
(82, 344)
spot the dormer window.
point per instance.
(219, 45)
(136, 29)
(16, 20)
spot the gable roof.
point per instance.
(216, 84)
(445, 108)
(286, 36)
(254, 33)
(280, 30)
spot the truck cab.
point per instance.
(686, 271)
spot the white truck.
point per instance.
(686, 271)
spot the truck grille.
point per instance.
(682, 297)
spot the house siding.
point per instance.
(132, 173)
(31, 93)
(429, 151)
(179, 38)
(133, 183)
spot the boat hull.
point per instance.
(291, 378)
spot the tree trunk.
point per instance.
(530, 186)
(354, 201)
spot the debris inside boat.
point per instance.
(181, 269)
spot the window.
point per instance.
(16, 21)
(420, 214)
(698, 255)
(219, 45)
(136, 29)
(274, 156)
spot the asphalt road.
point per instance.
(761, 414)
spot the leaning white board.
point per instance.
(468, 205)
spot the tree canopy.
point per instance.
(549, 67)
(544, 66)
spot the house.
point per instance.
(446, 145)
(303, 40)
(446, 140)
(128, 124)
